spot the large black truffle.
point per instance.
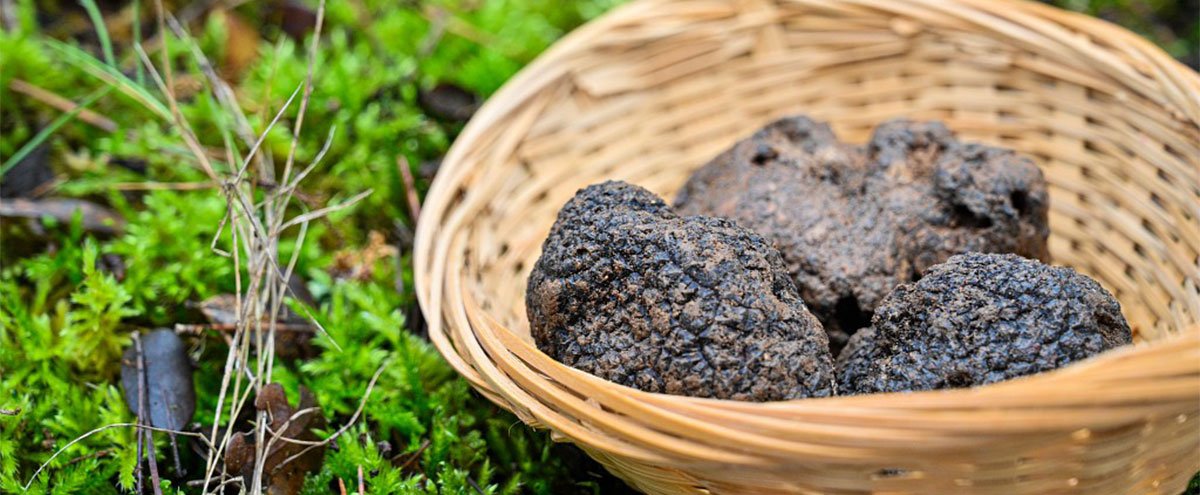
(977, 319)
(629, 291)
(853, 222)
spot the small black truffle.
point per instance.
(978, 319)
(629, 291)
(853, 222)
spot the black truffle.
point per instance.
(978, 319)
(629, 291)
(853, 222)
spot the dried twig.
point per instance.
(414, 456)
(256, 221)
(93, 455)
(340, 431)
(94, 431)
(62, 104)
(163, 186)
(475, 485)
(362, 485)
(410, 187)
(196, 329)
(143, 413)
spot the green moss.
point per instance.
(65, 317)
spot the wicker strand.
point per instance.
(658, 87)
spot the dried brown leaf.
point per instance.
(279, 477)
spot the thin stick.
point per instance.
(45, 133)
(163, 186)
(415, 455)
(93, 455)
(410, 187)
(306, 217)
(194, 329)
(185, 130)
(312, 63)
(62, 104)
(475, 485)
(362, 486)
(143, 412)
(362, 404)
(105, 428)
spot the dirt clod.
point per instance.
(629, 291)
(853, 222)
(978, 319)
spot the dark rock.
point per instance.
(978, 319)
(852, 222)
(629, 291)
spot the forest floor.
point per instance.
(174, 165)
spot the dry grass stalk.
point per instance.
(255, 229)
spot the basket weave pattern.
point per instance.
(655, 89)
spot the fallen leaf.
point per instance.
(280, 476)
(220, 309)
(171, 396)
(450, 102)
(293, 333)
(96, 218)
(241, 43)
(28, 176)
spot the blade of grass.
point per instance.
(101, 30)
(47, 131)
(86, 62)
(137, 38)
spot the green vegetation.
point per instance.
(72, 293)
(66, 313)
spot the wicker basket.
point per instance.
(658, 87)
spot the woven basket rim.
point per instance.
(1105, 390)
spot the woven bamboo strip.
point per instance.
(658, 87)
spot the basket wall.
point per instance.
(655, 89)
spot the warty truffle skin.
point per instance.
(629, 291)
(979, 319)
(853, 222)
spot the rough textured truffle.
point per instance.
(629, 291)
(977, 319)
(853, 222)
